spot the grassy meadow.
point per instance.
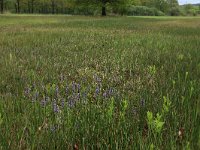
(72, 82)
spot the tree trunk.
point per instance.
(2, 6)
(32, 6)
(53, 6)
(28, 5)
(18, 6)
(15, 7)
(103, 12)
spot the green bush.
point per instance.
(192, 12)
(159, 13)
(143, 11)
(82, 10)
(174, 11)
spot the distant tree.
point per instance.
(32, 6)
(173, 3)
(2, 2)
(161, 5)
(101, 3)
(199, 8)
(122, 6)
(103, 10)
(191, 10)
(173, 8)
(188, 7)
(17, 6)
(53, 5)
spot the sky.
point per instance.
(181, 2)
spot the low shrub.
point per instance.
(143, 11)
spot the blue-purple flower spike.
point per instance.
(55, 107)
(78, 87)
(57, 91)
(63, 103)
(73, 87)
(71, 103)
(66, 90)
(97, 79)
(110, 92)
(97, 91)
(44, 102)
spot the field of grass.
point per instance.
(71, 82)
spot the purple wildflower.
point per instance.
(105, 94)
(97, 79)
(73, 86)
(97, 91)
(57, 91)
(111, 91)
(66, 90)
(43, 102)
(55, 107)
(71, 103)
(63, 103)
(78, 87)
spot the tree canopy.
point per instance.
(91, 7)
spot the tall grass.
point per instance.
(99, 83)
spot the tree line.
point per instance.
(92, 7)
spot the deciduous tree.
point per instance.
(101, 3)
(1, 3)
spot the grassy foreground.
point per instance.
(99, 83)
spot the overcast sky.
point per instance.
(188, 1)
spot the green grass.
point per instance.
(128, 69)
